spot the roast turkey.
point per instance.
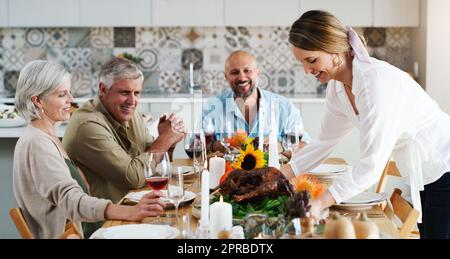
(256, 184)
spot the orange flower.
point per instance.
(309, 183)
(238, 139)
(228, 170)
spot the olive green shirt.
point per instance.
(110, 154)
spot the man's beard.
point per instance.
(238, 94)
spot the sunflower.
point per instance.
(250, 159)
(309, 183)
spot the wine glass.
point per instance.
(293, 136)
(208, 129)
(157, 170)
(175, 189)
(224, 138)
(194, 145)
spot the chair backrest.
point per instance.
(404, 211)
(70, 231)
(390, 170)
(21, 225)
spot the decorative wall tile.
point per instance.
(147, 37)
(149, 58)
(280, 36)
(214, 59)
(304, 84)
(282, 57)
(397, 37)
(264, 80)
(13, 59)
(150, 84)
(57, 37)
(2, 62)
(169, 59)
(192, 37)
(214, 82)
(124, 37)
(72, 58)
(1, 37)
(31, 54)
(170, 37)
(283, 81)
(170, 82)
(100, 56)
(214, 37)
(102, 37)
(13, 39)
(35, 37)
(10, 82)
(237, 38)
(2, 86)
(265, 58)
(398, 57)
(194, 56)
(379, 53)
(376, 37)
(80, 38)
(81, 83)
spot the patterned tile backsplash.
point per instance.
(166, 52)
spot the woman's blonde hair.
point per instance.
(320, 31)
(37, 78)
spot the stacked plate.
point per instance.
(137, 231)
(363, 201)
(327, 172)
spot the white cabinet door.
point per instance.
(43, 13)
(356, 13)
(3, 13)
(396, 13)
(187, 13)
(261, 12)
(312, 119)
(115, 13)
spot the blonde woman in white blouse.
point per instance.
(394, 115)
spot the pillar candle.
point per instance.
(204, 216)
(221, 218)
(216, 169)
(261, 126)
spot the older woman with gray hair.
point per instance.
(48, 187)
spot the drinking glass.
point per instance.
(224, 138)
(157, 170)
(175, 189)
(292, 137)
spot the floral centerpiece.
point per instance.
(125, 55)
(249, 158)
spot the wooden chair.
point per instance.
(403, 210)
(390, 170)
(70, 231)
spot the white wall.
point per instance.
(419, 44)
(438, 52)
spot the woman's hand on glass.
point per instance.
(148, 206)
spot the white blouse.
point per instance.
(396, 117)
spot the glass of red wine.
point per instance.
(157, 170)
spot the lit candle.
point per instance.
(221, 218)
(204, 218)
(217, 169)
(273, 139)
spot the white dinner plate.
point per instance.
(366, 197)
(140, 231)
(187, 170)
(329, 169)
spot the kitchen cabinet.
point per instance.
(357, 13)
(187, 13)
(3, 13)
(43, 13)
(115, 13)
(261, 12)
(396, 13)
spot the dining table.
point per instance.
(386, 225)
